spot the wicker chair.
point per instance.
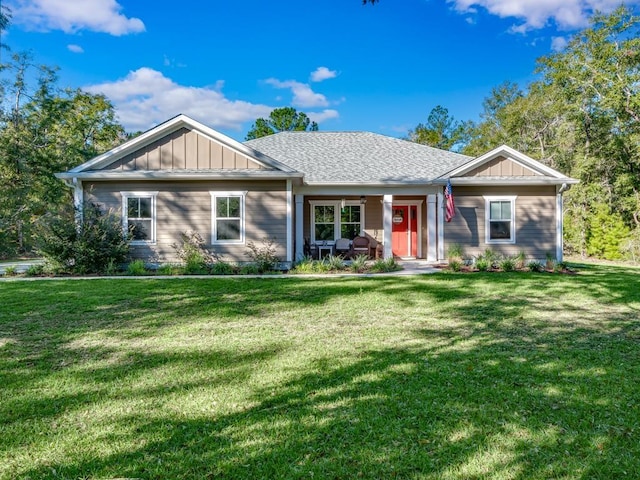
(360, 246)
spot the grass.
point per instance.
(483, 376)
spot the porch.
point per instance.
(403, 225)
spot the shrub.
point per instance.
(36, 270)
(491, 257)
(87, 248)
(11, 271)
(386, 265)
(264, 257)
(334, 262)
(249, 269)
(359, 263)
(193, 253)
(170, 269)
(482, 264)
(520, 259)
(507, 264)
(222, 268)
(455, 265)
(455, 252)
(136, 267)
(551, 261)
(535, 266)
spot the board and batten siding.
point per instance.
(535, 221)
(184, 149)
(501, 167)
(186, 206)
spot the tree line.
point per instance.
(582, 117)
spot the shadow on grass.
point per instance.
(486, 389)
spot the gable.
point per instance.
(184, 149)
(501, 167)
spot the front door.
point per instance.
(404, 233)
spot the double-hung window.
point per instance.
(333, 219)
(139, 216)
(500, 219)
(227, 217)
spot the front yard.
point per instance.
(447, 376)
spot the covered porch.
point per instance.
(401, 223)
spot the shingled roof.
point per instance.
(357, 157)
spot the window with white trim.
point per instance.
(139, 216)
(500, 219)
(331, 220)
(227, 217)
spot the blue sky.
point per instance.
(349, 66)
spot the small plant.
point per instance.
(170, 269)
(222, 268)
(455, 265)
(455, 252)
(482, 264)
(112, 268)
(551, 262)
(507, 264)
(491, 257)
(386, 265)
(193, 253)
(535, 266)
(359, 263)
(11, 271)
(520, 260)
(334, 262)
(264, 256)
(560, 267)
(36, 270)
(249, 269)
(136, 267)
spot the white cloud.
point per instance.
(303, 95)
(567, 14)
(145, 97)
(322, 73)
(558, 43)
(72, 16)
(75, 48)
(326, 114)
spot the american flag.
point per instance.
(450, 208)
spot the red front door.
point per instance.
(404, 233)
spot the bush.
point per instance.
(11, 271)
(386, 265)
(455, 252)
(359, 263)
(507, 264)
(88, 248)
(36, 270)
(455, 265)
(193, 253)
(136, 267)
(170, 269)
(482, 264)
(334, 262)
(222, 268)
(264, 257)
(535, 266)
(249, 269)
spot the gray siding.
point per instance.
(535, 219)
(501, 167)
(183, 206)
(184, 149)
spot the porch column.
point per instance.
(299, 227)
(440, 214)
(432, 228)
(559, 227)
(387, 224)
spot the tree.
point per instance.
(440, 131)
(43, 130)
(285, 119)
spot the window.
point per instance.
(227, 217)
(331, 220)
(350, 226)
(139, 216)
(325, 222)
(500, 219)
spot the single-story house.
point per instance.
(306, 190)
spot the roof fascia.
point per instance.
(510, 153)
(112, 175)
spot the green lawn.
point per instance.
(447, 376)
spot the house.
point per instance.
(314, 188)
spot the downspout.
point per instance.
(559, 221)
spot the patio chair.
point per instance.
(343, 247)
(360, 246)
